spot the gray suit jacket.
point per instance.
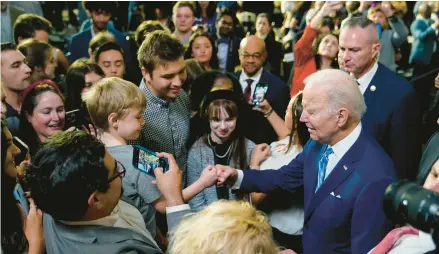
(66, 239)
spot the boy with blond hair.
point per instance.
(116, 107)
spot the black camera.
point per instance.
(407, 202)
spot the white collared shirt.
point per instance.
(243, 80)
(341, 148)
(365, 80)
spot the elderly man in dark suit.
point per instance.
(76, 182)
(343, 171)
(392, 115)
(252, 54)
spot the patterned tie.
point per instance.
(248, 90)
(322, 167)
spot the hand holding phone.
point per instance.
(259, 94)
(24, 150)
(146, 160)
(170, 182)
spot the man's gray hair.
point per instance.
(340, 90)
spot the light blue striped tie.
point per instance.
(322, 167)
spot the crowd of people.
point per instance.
(281, 124)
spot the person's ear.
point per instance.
(19, 40)
(376, 49)
(94, 201)
(146, 75)
(113, 121)
(342, 117)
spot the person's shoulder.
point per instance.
(393, 81)
(433, 141)
(250, 144)
(273, 79)
(81, 35)
(198, 144)
(374, 157)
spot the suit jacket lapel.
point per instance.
(369, 95)
(338, 175)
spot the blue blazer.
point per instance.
(345, 215)
(257, 127)
(392, 118)
(78, 46)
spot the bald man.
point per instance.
(392, 115)
(344, 171)
(252, 54)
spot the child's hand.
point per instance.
(208, 176)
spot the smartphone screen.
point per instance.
(146, 161)
(259, 94)
(24, 150)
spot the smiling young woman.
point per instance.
(222, 143)
(42, 113)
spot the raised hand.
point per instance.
(387, 9)
(33, 229)
(264, 107)
(170, 182)
(260, 153)
(208, 176)
(330, 6)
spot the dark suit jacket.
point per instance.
(62, 238)
(257, 127)
(392, 118)
(233, 54)
(345, 215)
(78, 46)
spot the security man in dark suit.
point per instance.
(392, 116)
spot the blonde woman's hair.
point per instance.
(224, 227)
(112, 95)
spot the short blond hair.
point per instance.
(224, 227)
(112, 95)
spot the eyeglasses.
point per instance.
(254, 56)
(225, 23)
(120, 169)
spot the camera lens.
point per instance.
(406, 202)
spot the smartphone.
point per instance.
(259, 94)
(24, 150)
(77, 118)
(146, 161)
(72, 118)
